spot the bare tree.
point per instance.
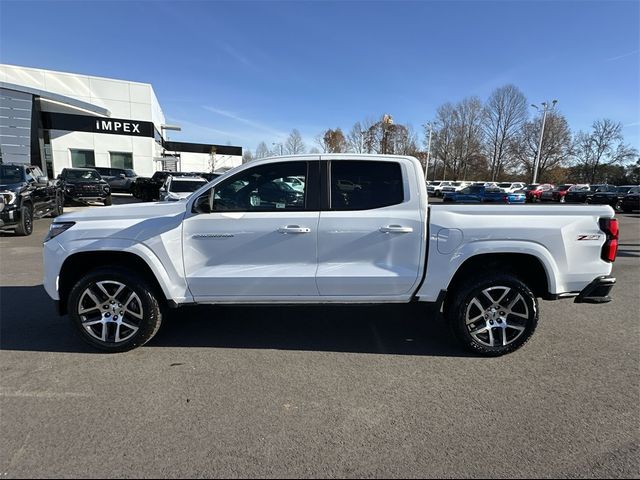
(262, 150)
(294, 143)
(458, 137)
(604, 145)
(355, 138)
(556, 145)
(314, 150)
(504, 115)
(247, 156)
(443, 147)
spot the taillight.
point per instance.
(610, 248)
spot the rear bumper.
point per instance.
(597, 291)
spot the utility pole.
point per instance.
(546, 108)
(426, 167)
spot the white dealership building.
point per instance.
(57, 120)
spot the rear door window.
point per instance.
(365, 185)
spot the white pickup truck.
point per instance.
(249, 238)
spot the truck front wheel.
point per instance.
(493, 314)
(114, 309)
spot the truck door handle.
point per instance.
(396, 229)
(294, 229)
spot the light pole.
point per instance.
(426, 167)
(545, 109)
(278, 144)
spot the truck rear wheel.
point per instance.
(493, 314)
(114, 309)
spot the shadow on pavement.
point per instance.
(404, 329)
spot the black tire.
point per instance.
(492, 323)
(146, 301)
(59, 208)
(108, 201)
(25, 226)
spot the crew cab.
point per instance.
(481, 194)
(84, 185)
(27, 194)
(240, 239)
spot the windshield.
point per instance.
(623, 189)
(533, 186)
(635, 190)
(130, 173)
(456, 184)
(11, 174)
(82, 176)
(504, 185)
(186, 185)
(562, 188)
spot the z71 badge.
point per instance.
(589, 237)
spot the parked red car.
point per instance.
(555, 194)
(535, 190)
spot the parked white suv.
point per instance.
(509, 187)
(179, 188)
(249, 238)
(435, 188)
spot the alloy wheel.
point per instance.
(497, 316)
(110, 311)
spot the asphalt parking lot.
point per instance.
(372, 391)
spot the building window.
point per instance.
(121, 160)
(82, 158)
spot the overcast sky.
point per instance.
(243, 72)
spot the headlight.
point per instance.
(57, 228)
(8, 197)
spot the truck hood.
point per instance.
(132, 211)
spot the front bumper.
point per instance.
(9, 216)
(84, 199)
(597, 291)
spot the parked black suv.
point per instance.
(631, 201)
(584, 195)
(119, 179)
(27, 194)
(612, 198)
(84, 185)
